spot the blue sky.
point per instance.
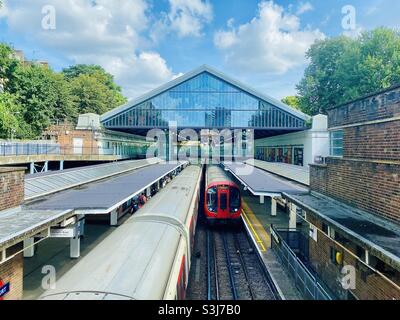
(145, 43)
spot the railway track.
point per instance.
(234, 269)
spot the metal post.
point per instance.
(61, 165)
(75, 247)
(293, 216)
(273, 207)
(114, 218)
(32, 168)
(29, 252)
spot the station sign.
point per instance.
(4, 289)
(63, 232)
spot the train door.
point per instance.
(223, 195)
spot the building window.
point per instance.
(336, 143)
(325, 228)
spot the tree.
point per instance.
(105, 78)
(44, 95)
(90, 95)
(10, 114)
(292, 101)
(343, 69)
(8, 65)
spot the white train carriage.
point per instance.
(146, 258)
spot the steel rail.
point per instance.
(229, 264)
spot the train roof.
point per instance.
(216, 174)
(135, 261)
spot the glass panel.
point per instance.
(212, 199)
(234, 199)
(205, 101)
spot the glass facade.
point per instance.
(205, 101)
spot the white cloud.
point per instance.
(102, 32)
(185, 17)
(272, 42)
(304, 7)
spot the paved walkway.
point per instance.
(259, 220)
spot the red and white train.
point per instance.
(146, 258)
(223, 201)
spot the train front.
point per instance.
(222, 199)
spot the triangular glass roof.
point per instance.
(204, 99)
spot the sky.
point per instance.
(145, 43)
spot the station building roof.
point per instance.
(289, 171)
(103, 196)
(21, 223)
(262, 183)
(206, 99)
(41, 184)
(380, 236)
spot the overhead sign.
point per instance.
(4, 289)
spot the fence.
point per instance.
(30, 149)
(305, 281)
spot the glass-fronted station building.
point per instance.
(206, 99)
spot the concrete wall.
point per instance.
(315, 140)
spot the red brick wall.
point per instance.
(370, 186)
(11, 187)
(318, 177)
(378, 106)
(12, 272)
(369, 285)
(379, 141)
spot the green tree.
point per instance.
(90, 95)
(114, 91)
(342, 69)
(292, 101)
(8, 65)
(44, 95)
(10, 113)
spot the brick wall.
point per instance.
(379, 141)
(378, 106)
(370, 186)
(64, 134)
(12, 272)
(368, 285)
(318, 177)
(11, 187)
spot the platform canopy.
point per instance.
(206, 99)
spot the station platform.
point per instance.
(295, 173)
(258, 223)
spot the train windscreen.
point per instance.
(212, 199)
(234, 199)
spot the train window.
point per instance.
(223, 199)
(212, 199)
(234, 199)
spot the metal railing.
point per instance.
(34, 149)
(305, 281)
